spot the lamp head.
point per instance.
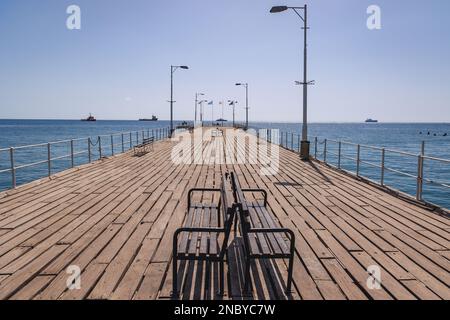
(278, 9)
(184, 67)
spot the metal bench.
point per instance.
(217, 133)
(142, 148)
(199, 239)
(262, 234)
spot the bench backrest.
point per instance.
(227, 202)
(148, 140)
(241, 202)
(227, 208)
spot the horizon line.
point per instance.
(255, 121)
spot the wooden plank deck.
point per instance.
(115, 219)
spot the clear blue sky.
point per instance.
(117, 65)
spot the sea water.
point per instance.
(402, 137)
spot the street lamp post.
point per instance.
(196, 104)
(172, 71)
(246, 102)
(304, 148)
(201, 102)
(233, 104)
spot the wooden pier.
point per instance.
(115, 220)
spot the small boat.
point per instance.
(154, 118)
(90, 118)
(371, 121)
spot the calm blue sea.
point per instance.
(404, 137)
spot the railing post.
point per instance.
(89, 149)
(325, 151)
(422, 150)
(358, 159)
(419, 178)
(13, 168)
(292, 141)
(71, 153)
(383, 156)
(143, 136)
(49, 159)
(137, 137)
(99, 147)
(299, 144)
(131, 140)
(315, 146)
(112, 145)
(339, 154)
(123, 147)
(153, 134)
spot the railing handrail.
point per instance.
(374, 147)
(436, 159)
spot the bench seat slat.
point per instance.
(194, 236)
(276, 239)
(254, 222)
(204, 235)
(213, 244)
(185, 236)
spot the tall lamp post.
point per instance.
(304, 148)
(233, 104)
(246, 102)
(196, 104)
(201, 102)
(172, 71)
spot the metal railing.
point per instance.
(381, 164)
(323, 151)
(91, 148)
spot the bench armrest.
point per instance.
(199, 229)
(188, 229)
(264, 192)
(191, 191)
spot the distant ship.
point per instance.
(371, 121)
(221, 120)
(90, 118)
(154, 118)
